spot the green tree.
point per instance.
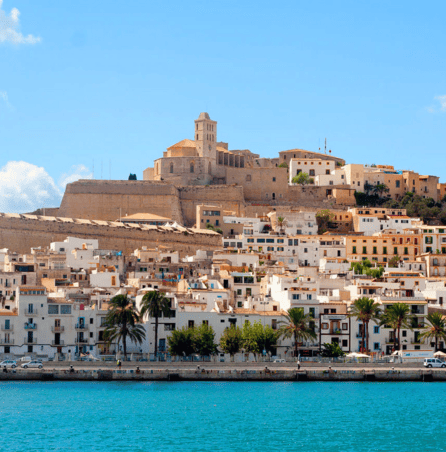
(436, 328)
(155, 304)
(122, 323)
(380, 189)
(301, 179)
(394, 262)
(323, 218)
(280, 221)
(283, 165)
(250, 339)
(296, 326)
(231, 340)
(204, 340)
(365, 310)
(181, 342)
(132, 176)
(332, 350)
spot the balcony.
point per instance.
(81, 326)
(28, 341)
(7, 341)
(30, 326)
(390, 340)
(337, 331)
(9, 328)
(57, 343)
(57, 329)
(82, 341)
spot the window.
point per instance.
(385, 250)
(376, 346)
(325, 326)
(171, 168)
(296, 296)
(395, 250)
(345, 326)
(376, 329)
(364, 250)
(248, 178)
(397, 184)
(53, 309)
(311, 172)
(274, 179)
(406, 250)
(327, 171)
(354, 250)
(374, 250)
(64, 309)
(192, 168)
(344, 342)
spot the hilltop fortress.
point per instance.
(204, 170)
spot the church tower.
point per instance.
(205, 135)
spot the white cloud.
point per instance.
(77, 172)
(10, 28)
(25, 187)
(442, 100)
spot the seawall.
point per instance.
(209, 374)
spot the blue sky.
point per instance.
(118, 82)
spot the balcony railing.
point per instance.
(82, 341)
(81, 326)
(390, 340)
(60, 342)
(29, 313)
(30, 326)
(9, 328)
(7, 341)
(57, 329)
(30, 341)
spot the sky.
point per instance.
(101, 89)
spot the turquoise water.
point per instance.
(126, 416)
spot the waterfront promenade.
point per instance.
(93, 371)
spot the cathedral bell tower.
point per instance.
(205, 135)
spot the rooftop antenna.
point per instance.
(325, 145)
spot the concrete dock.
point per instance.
(215, 372)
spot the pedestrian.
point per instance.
(298, 365)
(119, 364)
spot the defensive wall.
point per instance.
(21, 232)
(108, 200)
(268, 187)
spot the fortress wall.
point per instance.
(258, 184)
(102, 199)
(231, 197)
(19, 234)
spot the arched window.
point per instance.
(171, 167)
(192, 167)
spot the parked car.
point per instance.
(25, 358)
(279, 360)
(36, 364)
(8, 363)
(433, 362)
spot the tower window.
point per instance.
(171, 167)
(191, 167)
(197, 136)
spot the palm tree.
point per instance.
(437, 328)
(401, 314)
(397, 316)
(365, 310)
(297, 326)
(122, 322)
(280, 222)
(379, 189)
(155, 304)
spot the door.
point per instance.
(30, 337)
(162, 345)
(7, 324)
(57, 338)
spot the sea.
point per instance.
(222, 416)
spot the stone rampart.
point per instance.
(107, 200)
(22, 232)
